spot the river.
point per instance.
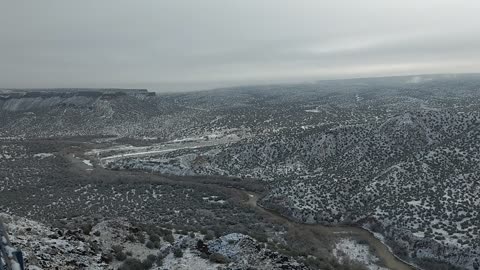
(381, 250)
(315, 232)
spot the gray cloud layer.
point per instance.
(191, 44)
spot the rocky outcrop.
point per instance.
(246, 253)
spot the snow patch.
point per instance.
(349, 249)
(43, 155)
(87, 162)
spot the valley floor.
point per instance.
(215, 205)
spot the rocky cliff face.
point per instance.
(112, 244)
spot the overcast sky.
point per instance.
(196, 44)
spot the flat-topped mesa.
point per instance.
(31, 99)
(46, 92)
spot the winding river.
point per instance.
(381, 250)
(315, 232)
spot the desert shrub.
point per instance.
(120, 256)
(154, 238)
(428, 263)
(209, 236)
(164, 232)
(219, 230)
(94, 247)
(117, 248)
(178, 253)
(352, 265)
(218, 258)
(169, 238)
(159, 260)
(152, 257)
(86, 228)
(149, 261)
(260, 236)
(132, 264)
(131, 238)
(150, 244)
(118, 252)
(141, 238)
(107, 257)
(362, 242)
(315, 263)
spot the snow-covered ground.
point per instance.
(351, 250)
(43, 155)
(45, 247)
(87, 162)
(108, 155)
(189, 261)
(44, 251)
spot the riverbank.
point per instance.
(317, 235)
(381, 249)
